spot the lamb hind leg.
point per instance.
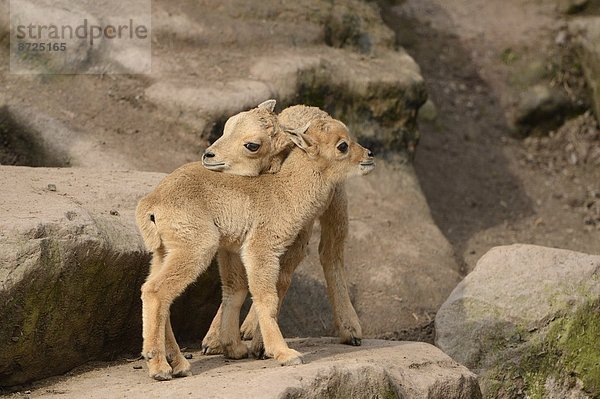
(334, 230)
(180, 268)
(181, 367)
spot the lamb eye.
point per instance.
(252, 147)
(342, 147)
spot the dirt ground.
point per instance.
(486, 188)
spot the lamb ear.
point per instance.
(269, 104)
(300, 138)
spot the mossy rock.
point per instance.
(564, 356)
(527, 320)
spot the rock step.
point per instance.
(377, 369)
(380, 95)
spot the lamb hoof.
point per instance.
(248, 327)
(181, 367)
(289, 357)
(210, 347)
(182, 374)
(160, 370)
(354, 341)
(351, 337)
(258, 351)
(162, 376)
(236, 351)
(293, 362)
(246, 334)
(207, 350)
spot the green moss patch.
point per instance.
(567, 351)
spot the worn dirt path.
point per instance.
(479, 182)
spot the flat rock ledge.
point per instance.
(377, 369)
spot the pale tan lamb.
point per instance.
(253, 143)
(195, 212)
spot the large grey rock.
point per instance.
(399, 265)
(587, 35)
(527, 318)
(378, 369)
(71, 265)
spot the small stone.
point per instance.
(51, 187)
(114, 212)
(188, 356)
(561, 38)
(14, 339)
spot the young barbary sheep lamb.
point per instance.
(195, 212)
(253, 143)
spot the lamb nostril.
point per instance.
(209, 154)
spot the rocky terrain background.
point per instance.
(484, 115)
